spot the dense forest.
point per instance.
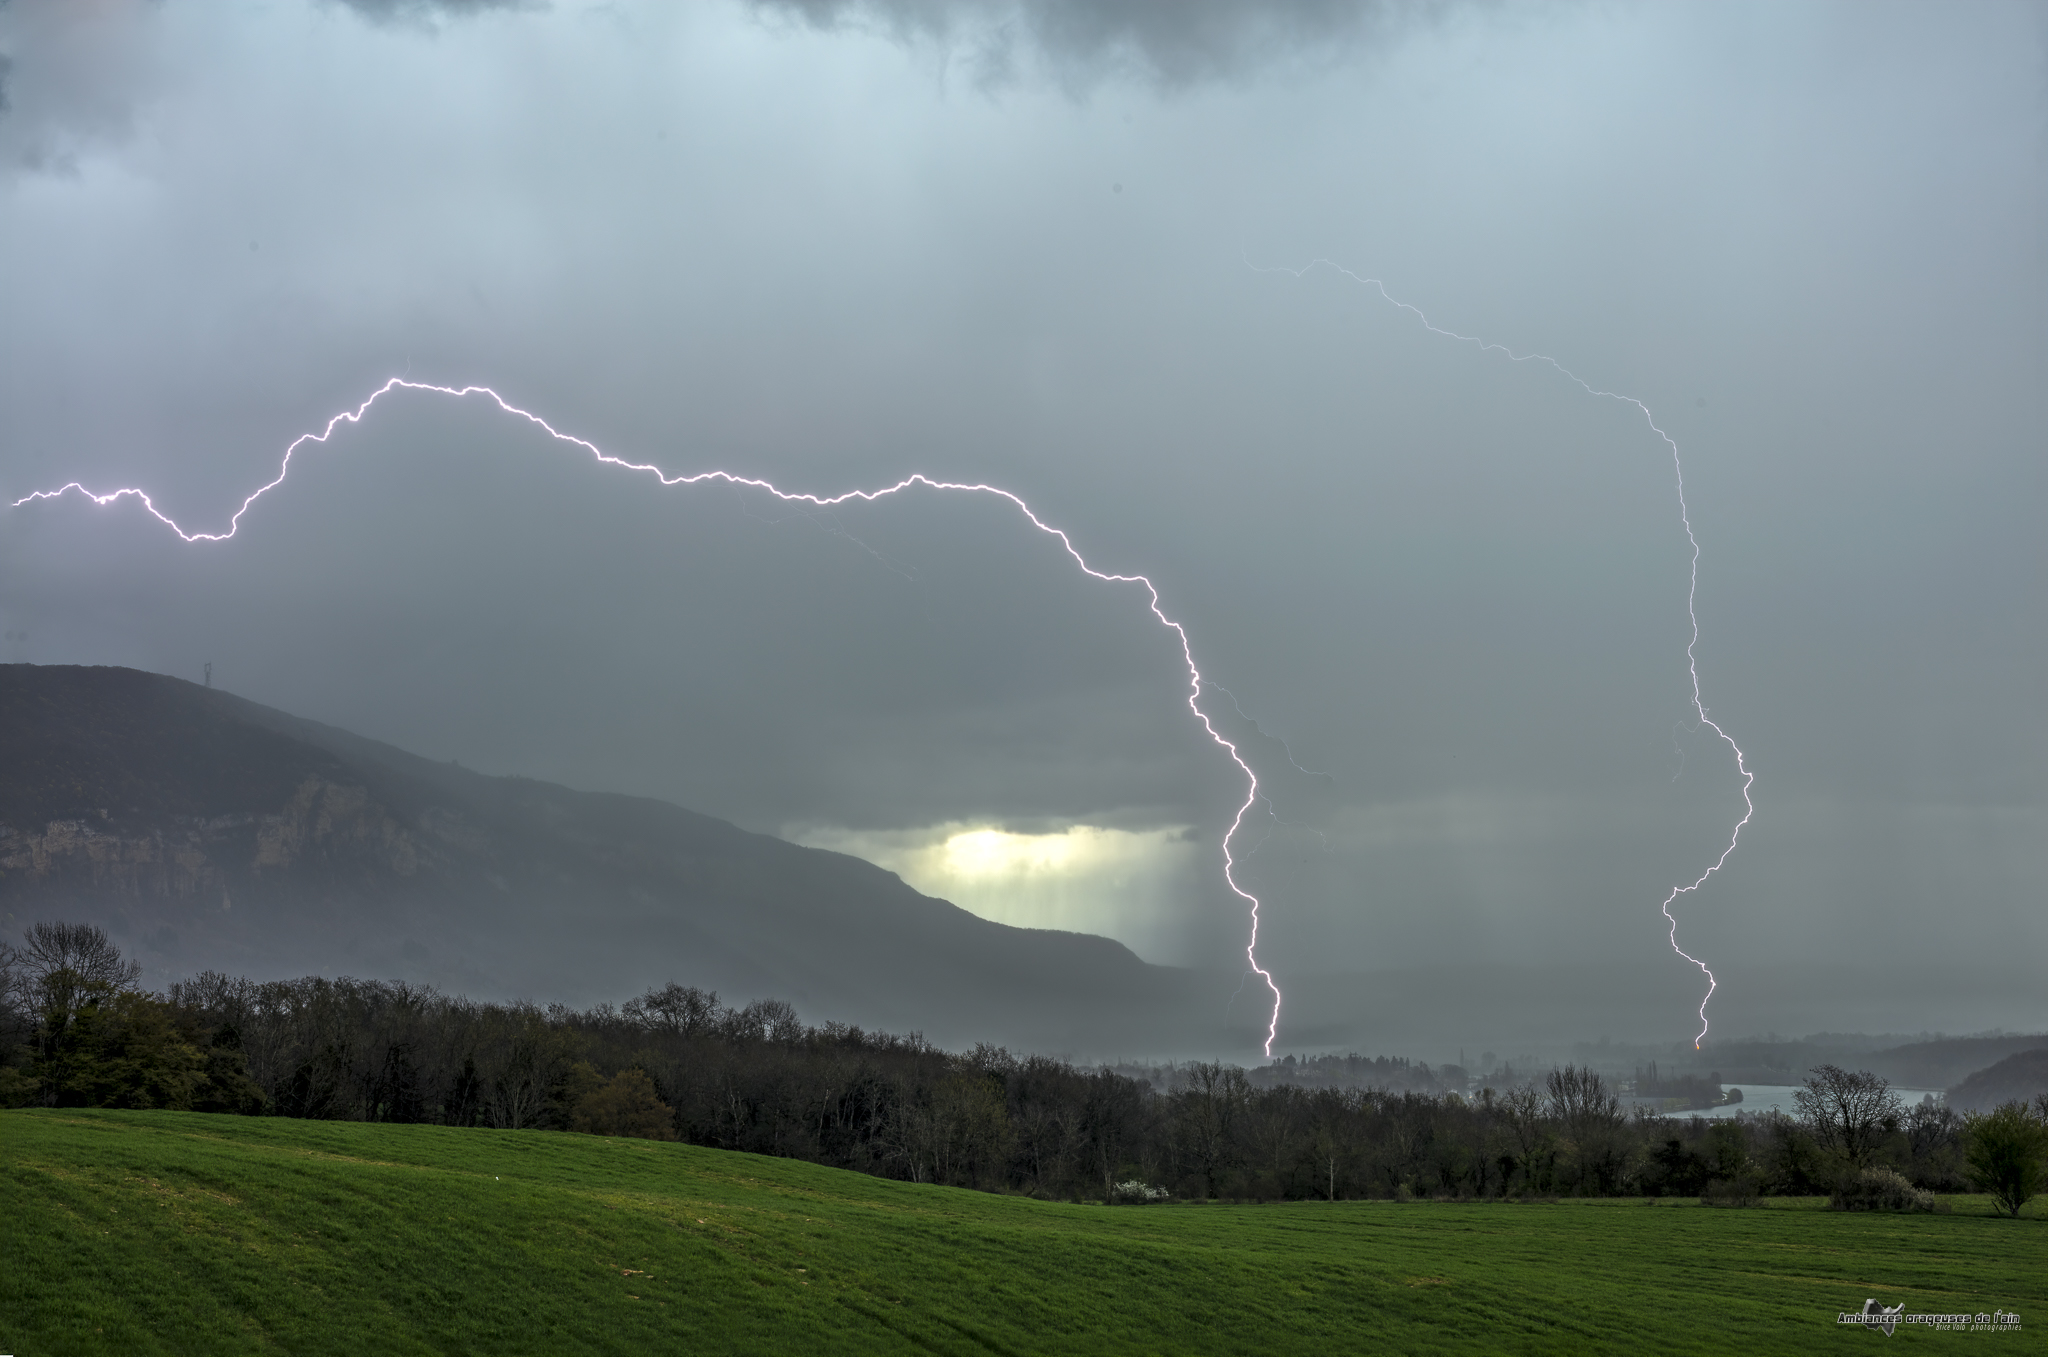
(676, 1064)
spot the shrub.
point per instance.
(1743, 1189)
(1135, 1193)
(1875, 1189)
(18, 1089)
(2005, 1155)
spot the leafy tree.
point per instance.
(122, 1048)
(225, 1085)
(57, 971)
(625, 1105)
(17, 1087)
(1793, 1162)
(1682, 1170)
(2006, 1150)
(94, 1041)
(1728, 1154)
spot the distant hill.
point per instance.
(1927, 1064)
(1937, 1064)
(2017, 1078)
(206, 831)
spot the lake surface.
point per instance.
(1778, 1098)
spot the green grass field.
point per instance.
(137, 1232)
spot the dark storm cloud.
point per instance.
(426, 11)
(1083, 41)
(73, 76)
(70, 78)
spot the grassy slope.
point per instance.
(143, 1232)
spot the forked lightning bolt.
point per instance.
(1195, 680)
(1691, 593)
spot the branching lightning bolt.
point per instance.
(1691, 593)
(1195, 679)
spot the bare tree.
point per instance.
(57, 968)
(762, 1020)
(1847, 1112)
(1523, 1110)
(1580, 1100)
(87, 952)
(1208, 1109)
(1271, 1121)
(1326, 1141)
(679, 1010)
(1113, 1113)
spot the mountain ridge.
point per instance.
(209, 831)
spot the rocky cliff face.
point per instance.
(190, 857)
(323, 819)
(209, 832)
(84, 853)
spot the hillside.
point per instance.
(2022, 1077)
(1924, 1064)
(209, 832)
(1937, 1064)
(177, 1232)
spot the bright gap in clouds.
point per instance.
(1122, 883)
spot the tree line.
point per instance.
(676, 1064)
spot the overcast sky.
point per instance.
(1072, 249)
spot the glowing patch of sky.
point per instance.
(1083, 878)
